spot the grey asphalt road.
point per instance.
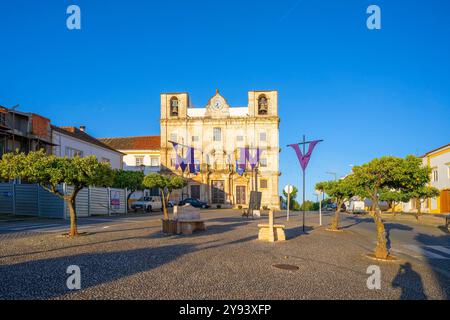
(128, 258)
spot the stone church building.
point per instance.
(216, 132)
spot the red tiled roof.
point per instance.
(81, 135)
(134, 143)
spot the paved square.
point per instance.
(128, 258)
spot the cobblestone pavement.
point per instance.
(129, 258)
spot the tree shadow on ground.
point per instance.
(357, 220)
(438, 245)
(46, 278)
(295, 232)
(410, 283)
(394, 226)
(211, 229)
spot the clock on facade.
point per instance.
(217, 105)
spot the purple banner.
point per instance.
(244, 156)
(252, 160)
(181, 162)
(241, 163)
(304, 158)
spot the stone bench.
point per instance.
(190, 226)
(188, 219)
(264, 232)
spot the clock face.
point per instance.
(217, 105)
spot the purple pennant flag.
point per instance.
(241, 164)
(304, 159)
(252, 160)
(184, 162)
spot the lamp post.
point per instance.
(333, 174)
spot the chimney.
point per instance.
(83, 128)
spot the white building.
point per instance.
(71, 141)
(439, 162)
(139, 153)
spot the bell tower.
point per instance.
(263, 103)
(174, 105)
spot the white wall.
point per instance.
(62, 141)
(129, 160)
(441, 163)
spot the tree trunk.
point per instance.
(381, 251)
(73, 212)
(419, 209)
(128, 198)
(166, 213)
(335, 222)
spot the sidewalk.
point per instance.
(424, 219)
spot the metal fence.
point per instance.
(33, 200)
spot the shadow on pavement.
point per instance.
(295, 232)
(409, 282)
(441, 242)
(394, 226)
(46, 278)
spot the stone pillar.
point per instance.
(271, 234)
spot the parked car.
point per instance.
(170, 204)
(329, 207)
(194, 202)
(147, 204)
(333, 206)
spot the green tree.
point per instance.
(131, 180)
(371, 179)
(50, 172)
(421, 195)
(340, 191)
(394, 197)
(416, 177)
(166, 184)
(310, 205)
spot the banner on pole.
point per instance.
(244, 157)
(304, 158)
(189, 160)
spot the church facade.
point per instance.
(216, 133)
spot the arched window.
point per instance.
(263, 106)
(174, 107)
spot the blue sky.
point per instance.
(366, 93)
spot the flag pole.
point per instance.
(304, 171)
(303, 158)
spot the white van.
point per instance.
(147, 204)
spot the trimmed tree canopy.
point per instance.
(50, 171)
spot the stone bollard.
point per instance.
(271, 234)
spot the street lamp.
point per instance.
(333, 174)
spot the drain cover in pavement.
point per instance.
(290, 267)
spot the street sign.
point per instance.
(288, 189)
